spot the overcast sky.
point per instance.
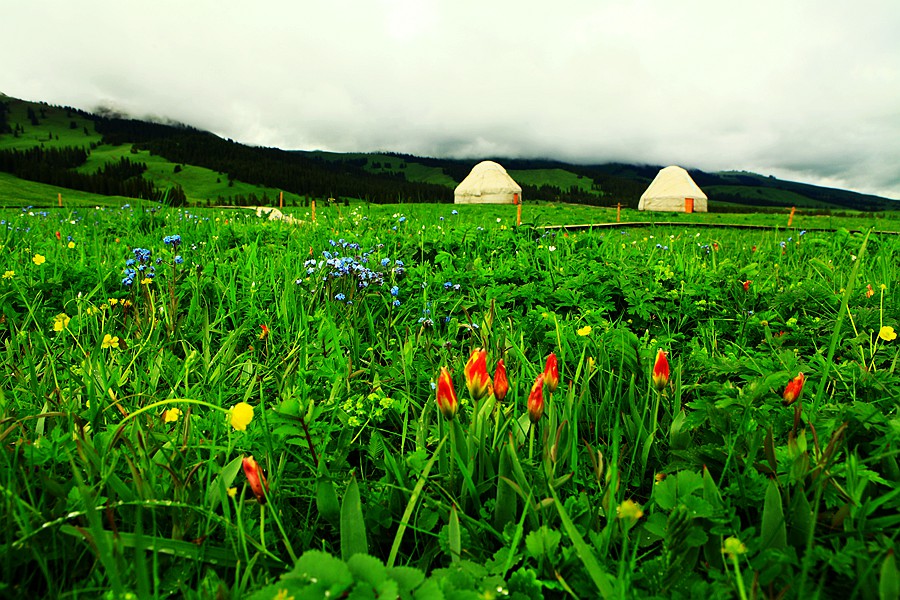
(803, 89)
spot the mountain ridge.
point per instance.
(170, 154)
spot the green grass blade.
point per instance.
(411, 505)
(836, 334)
(600, 578)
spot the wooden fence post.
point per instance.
(314, 211)
(619, 212)
(59, 195)
(280, 199)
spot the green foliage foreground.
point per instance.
(147, 353)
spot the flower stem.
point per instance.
(262, 526)
(531, 441)
(740, 580)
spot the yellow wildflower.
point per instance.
(232, 492)
(146, 281)
(733, 546)
(113, 301)
(887, 333)
(39, 259)
(61, 321)
(9, 275)
(586, 330)
(172, 415)
(241, 415)
(70, 245)
(110, 341)
(630, 510)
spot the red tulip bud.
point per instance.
(551, 373)
(477, 379)
(501, 382)
(446, 395)
(256, 479)
(661, 371)
(793, 390)
(536, 399)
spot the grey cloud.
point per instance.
(806, 89)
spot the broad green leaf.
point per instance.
(407, 578)
(507, 503)
(353, 525)
(326, 497)
(889, 579)
(679, 437)
(769, 448)
(542, 542)
(326, 576)
(367, 568)
(455, 542)
(711, 491)
(773, 531)
(284, 589)
(802, 522)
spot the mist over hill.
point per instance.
(107, 152)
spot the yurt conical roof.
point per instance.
(488, 183)
(671, 188)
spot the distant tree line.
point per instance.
(314, 176)
(4, 118)
(844, 198)
(289, 171)
(56, 166)
(574, 195)
(618, 182)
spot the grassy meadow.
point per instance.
(200, 403)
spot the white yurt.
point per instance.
(673, 190)
(488, 183)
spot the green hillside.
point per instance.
(559, 178)
(37, 125)
(19, 192)
(190, 166)
(747, 195)
(34, 124)
(411, 171)
(199, 184)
